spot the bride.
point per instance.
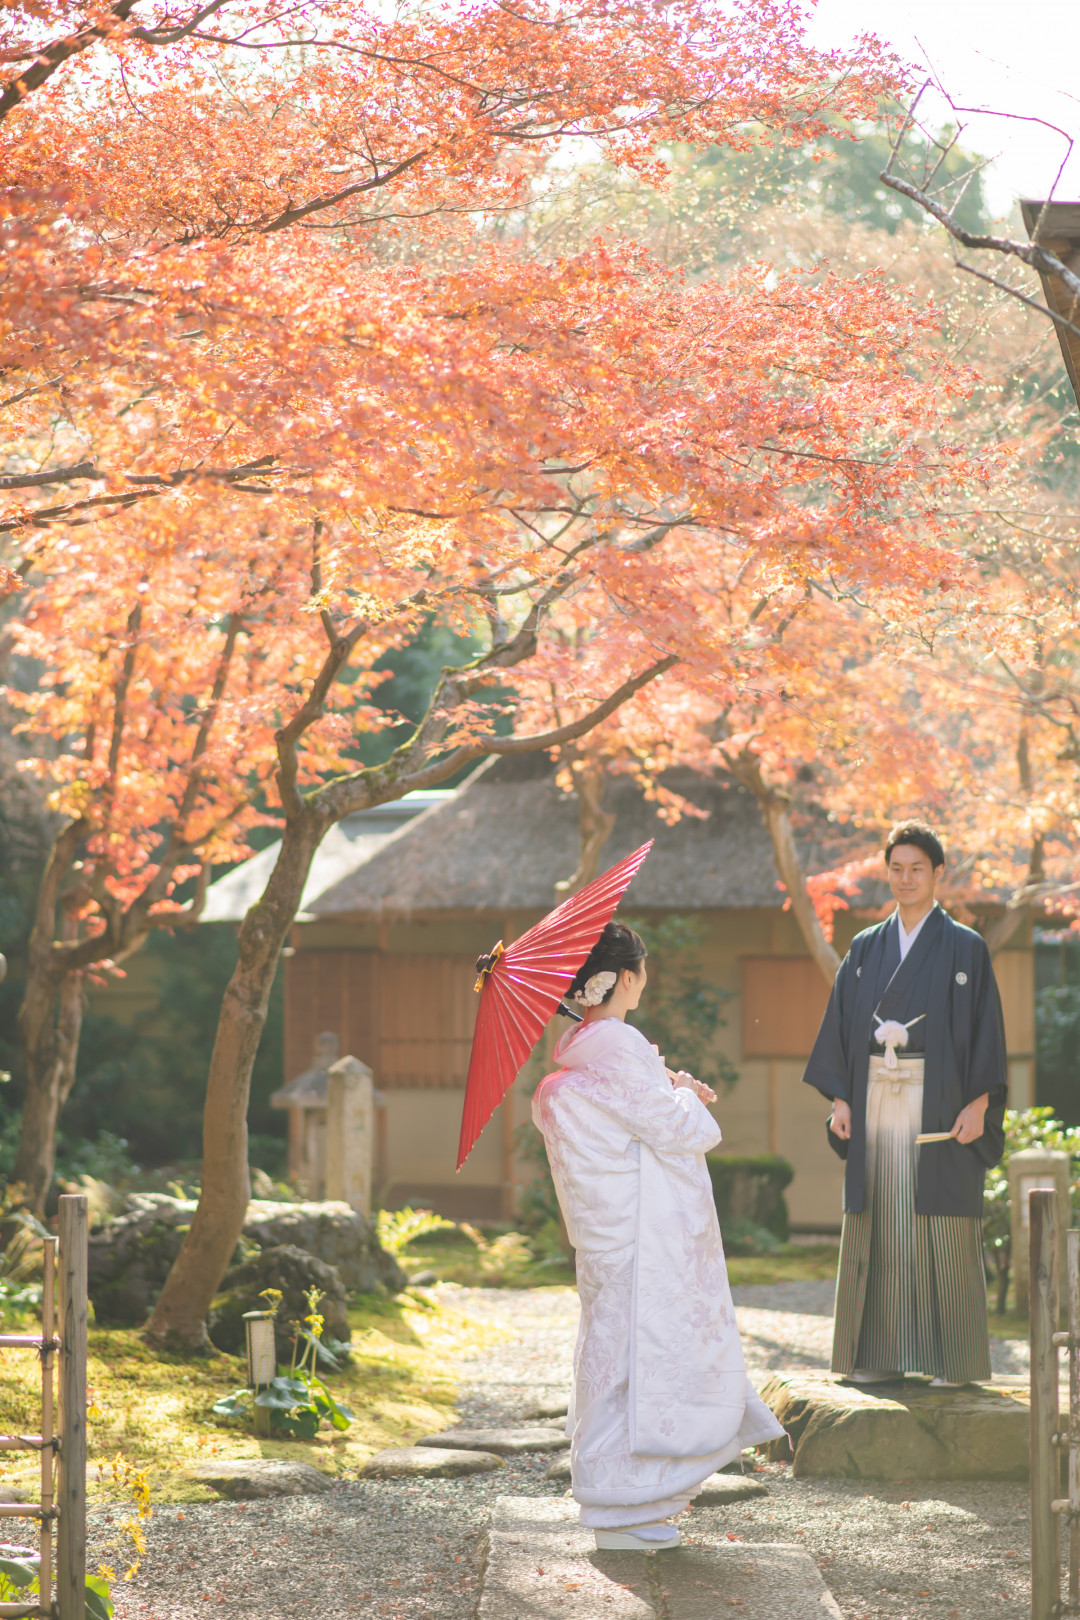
(661, 1398)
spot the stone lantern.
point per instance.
(305, 1098)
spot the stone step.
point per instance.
(719, 1490)
(900, 1431)
(507, 1442)
(541, 1563)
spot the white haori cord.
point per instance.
(892, 1034)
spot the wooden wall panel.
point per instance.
(409, 1017)
(427, 1008)
(1015, 974)
(315, 1000)
(783, 1000)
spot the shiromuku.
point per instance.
(661, 1398)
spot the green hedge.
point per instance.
(749, 1188)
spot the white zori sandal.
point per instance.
(647, 1538)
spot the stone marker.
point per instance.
(900, 1431)
(244, 1478)
(541, 1562)
(350, 1133)
(428, 1462)
(1029, 1169)
(719, 1489)
(505, 1442)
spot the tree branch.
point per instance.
(379, 784)
(150, 486)
(776, 811)
(55, 55)
(52, 475)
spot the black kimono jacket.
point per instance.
(948, 976)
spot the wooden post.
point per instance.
(1043, 1275)
(1073, 1278)
(71, 1531)
(48, 1359)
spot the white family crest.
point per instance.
(961, 978)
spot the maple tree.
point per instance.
(588, 455)
(162, 670)
(863, 711)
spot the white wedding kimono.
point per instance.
(661, 1398)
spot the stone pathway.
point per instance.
(413, 1550)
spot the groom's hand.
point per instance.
(971, 1120)
(840, 1123)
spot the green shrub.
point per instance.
(749, 1188)
(1026, 1128)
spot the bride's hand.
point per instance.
(683, 1080)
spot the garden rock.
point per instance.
(901, 1431)
(559, 1471)
(293, 1273)
(333, 1232)
(130, 1257)
(247, 1478)
(504, 1442)
(428, 1462)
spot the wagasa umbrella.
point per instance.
(520, 985)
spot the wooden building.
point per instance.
(403, 900)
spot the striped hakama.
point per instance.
(911, 1289)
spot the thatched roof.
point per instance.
(505, 838)
(352, 841)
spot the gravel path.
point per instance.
(411, 1551)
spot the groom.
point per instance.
(912, 1043)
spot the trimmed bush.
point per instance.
(749, 1192)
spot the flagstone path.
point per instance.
(414, 1550)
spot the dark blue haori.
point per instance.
(946, 976)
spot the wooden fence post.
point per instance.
(48, 1454)
(1043, 1275)
(71, 1495)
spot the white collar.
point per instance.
(906, 939)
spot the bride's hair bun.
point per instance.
(618, 948)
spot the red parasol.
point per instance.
(523, 985)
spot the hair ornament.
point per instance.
(595, 989)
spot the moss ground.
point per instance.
(792, 1262)
(457, 1262)
(153, 1412)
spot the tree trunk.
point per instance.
(180, 1314)
(49, 1036)
(776, 809)
(595, 824)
